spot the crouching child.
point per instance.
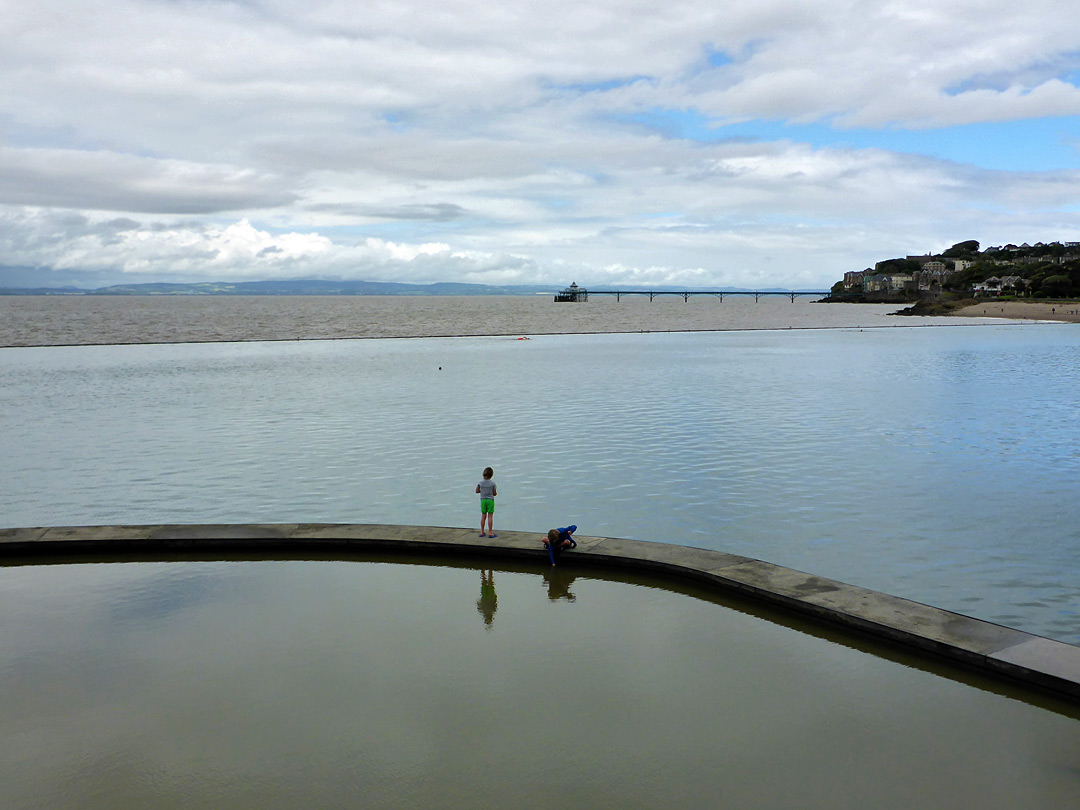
(558, 540)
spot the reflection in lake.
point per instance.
(559, 580)
(488, 602)
(287, 683)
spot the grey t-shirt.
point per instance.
(487, 488)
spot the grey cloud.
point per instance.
(434, 212)
(438, 212)
(111, 182)
(117, 225)
(110, 231)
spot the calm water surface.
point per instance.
(938, 464)
(284, 684)
(51, 320)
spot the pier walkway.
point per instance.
(992, 649)
(792, 294)
(576, 294)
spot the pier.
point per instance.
(576, 294)
(792, 294)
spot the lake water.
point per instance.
(254, 685)
(937, 464)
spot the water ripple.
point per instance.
(937, 464)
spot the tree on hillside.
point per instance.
(962, 249)
(1055, 249)
(1058, 286)
(897, 266)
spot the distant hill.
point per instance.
(43, 291)
(323, 287)
(287, 287)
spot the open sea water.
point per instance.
(939, 464)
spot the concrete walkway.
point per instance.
(993, 649)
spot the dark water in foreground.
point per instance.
(284, 684)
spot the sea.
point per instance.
(935, 459)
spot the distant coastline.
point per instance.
(288, 287)
(329, 287)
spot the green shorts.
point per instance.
(487, 506)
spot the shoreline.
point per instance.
(1003, 320)
(58, 321)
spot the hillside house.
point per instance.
(854, 279)
(991, 286)
(888, 283)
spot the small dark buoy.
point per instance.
(440, 368)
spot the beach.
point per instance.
(1024, 311)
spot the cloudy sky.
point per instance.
(741, 143)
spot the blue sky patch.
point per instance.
(599, 87)
(1034, 144)
(719, 59)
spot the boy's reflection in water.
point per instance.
(558, 582)
(488, 602)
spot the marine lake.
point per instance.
(264, 684)
(940, 464)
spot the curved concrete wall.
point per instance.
(991, 648)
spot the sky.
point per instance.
(749, 143)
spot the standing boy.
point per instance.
(487, 491)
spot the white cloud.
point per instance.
(191, 251)
(477, 141)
